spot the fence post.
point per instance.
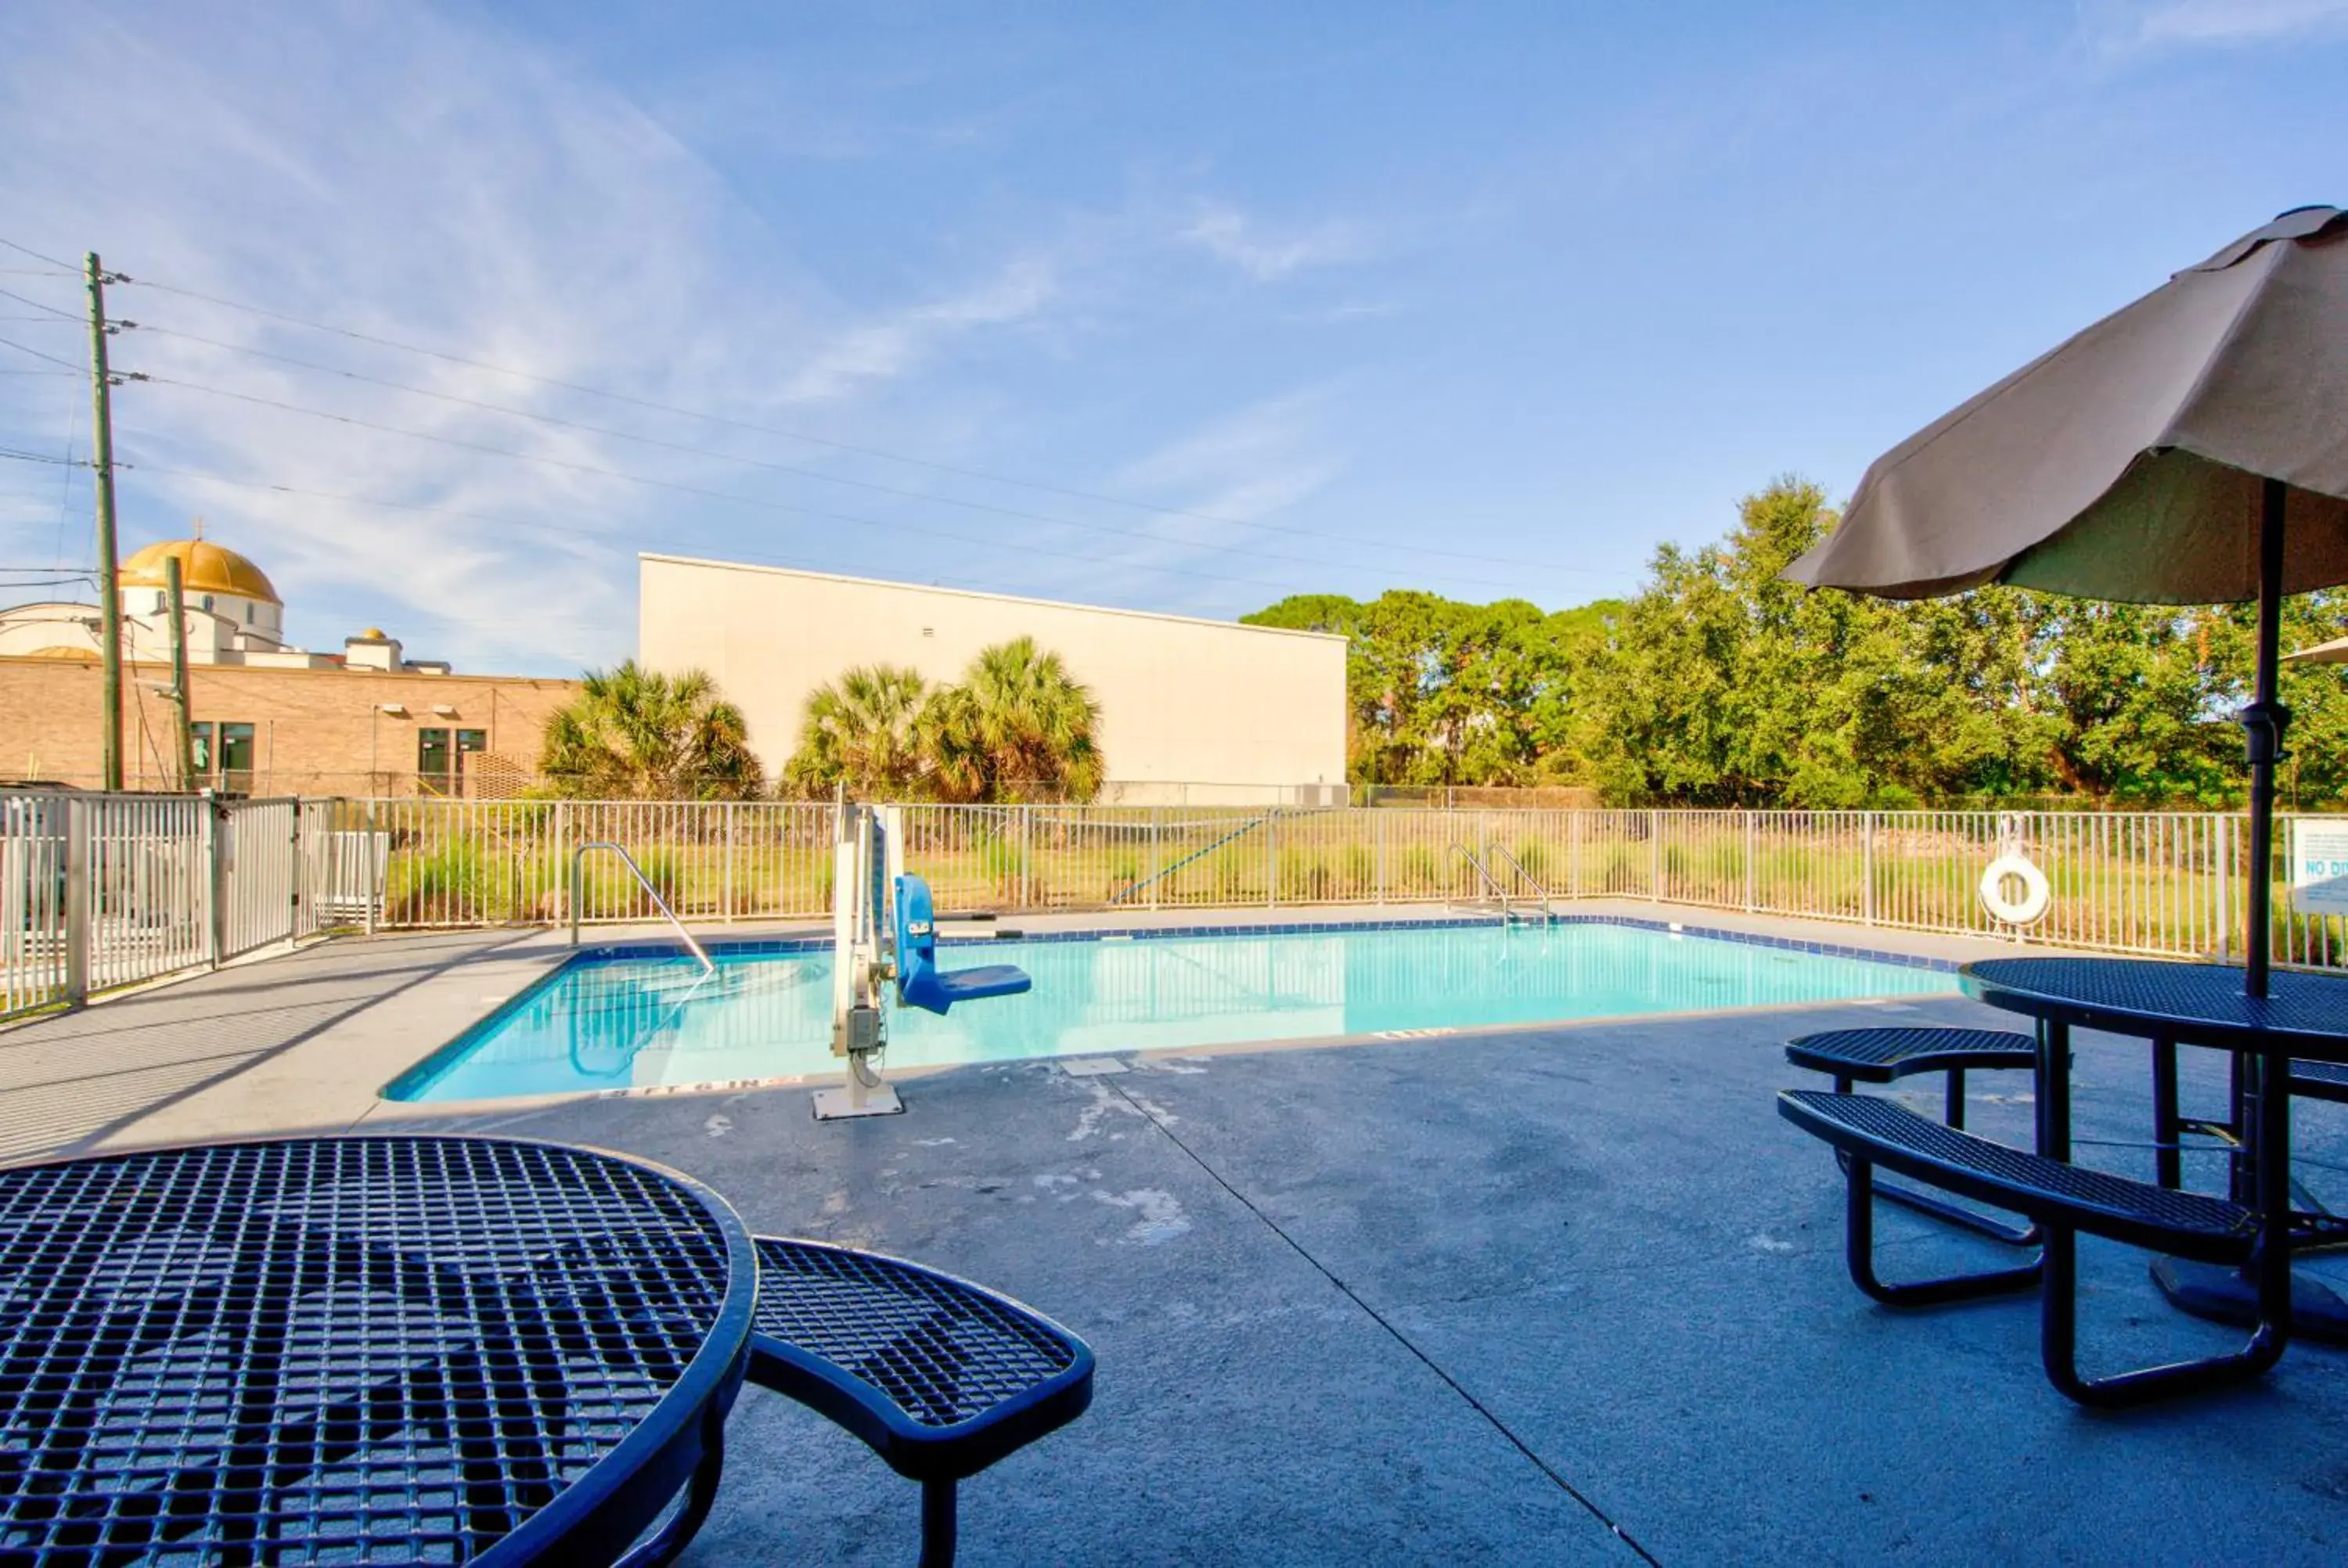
(1752, 883)
(1270, 856)
(1157, 855)
(215, 879)
(1378, 837)
(1655, 856)
(558, 851)
(296, 882)
(2225, 888)
(1572, 853)
(77, 901)
(731, 808)
(1027, 856)
(376, 867)
(1866, 870)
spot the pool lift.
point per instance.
(884, 939)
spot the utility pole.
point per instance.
(109, 591)
(179, 693)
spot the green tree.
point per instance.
(635, 734)
(1018, 727)
(863, 731)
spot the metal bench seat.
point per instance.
(2063, 1199)
(939, 1377)
(1883, 1131)
(2320, 1080)
(1882, 1055)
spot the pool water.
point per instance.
(606, 1023)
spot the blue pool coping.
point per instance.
(410, 1085)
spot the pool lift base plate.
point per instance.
(839, 1104)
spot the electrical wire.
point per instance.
(1024, 547)
(557, 529)
(817, 474)
(28, 251)
(879, 453)
(36, 353)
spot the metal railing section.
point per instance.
(580, 855)
(1540, 893)
(106, 890)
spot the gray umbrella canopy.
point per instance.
(2189, 449)
(2127, 463)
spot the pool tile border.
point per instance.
(607, 952)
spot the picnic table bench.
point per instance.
(939, 1377)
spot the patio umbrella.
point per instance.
(2191, 448)
(2332, 652)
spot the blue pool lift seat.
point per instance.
(919, 982)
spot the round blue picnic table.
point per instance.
(2302, 1017)
(364, 1349)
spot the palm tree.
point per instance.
(1020, 727)
(861, 729)
(634, 733)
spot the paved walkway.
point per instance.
(213, 1056)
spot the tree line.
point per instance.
(1017, 726)
(1721, 684)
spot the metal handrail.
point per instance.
(1531, 880)
(1484, 871)
(580, 853)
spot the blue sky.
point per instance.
(1483, 299)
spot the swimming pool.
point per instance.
(635, 1020)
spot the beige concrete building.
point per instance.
(1192, 710)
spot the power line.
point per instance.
(27, 251)
(43, 305)
(554, 528)
(1025, 548)
(36, 353)
(815, 474)
(885, 456)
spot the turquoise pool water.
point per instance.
(604, 1024)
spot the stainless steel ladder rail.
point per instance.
(1548, 915)
(1484, 871)
(580, 855)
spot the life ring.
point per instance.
(2024, 910)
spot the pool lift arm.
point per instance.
(884, 938)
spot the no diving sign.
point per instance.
(2318, 866)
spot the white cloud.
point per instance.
(896, 343)
(2183, 22)
(1230, 235)
(434, 181)
(1245, 464)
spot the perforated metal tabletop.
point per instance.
(358, 1351)
(2200, 1004)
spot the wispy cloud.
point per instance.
(1244, 465)
(2141, 23)
(889, 347)
(1265, 255)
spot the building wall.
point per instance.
(316, 731)
(1199, 711)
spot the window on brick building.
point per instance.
(441, 756)
(223, 753)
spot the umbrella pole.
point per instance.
(2263, 722)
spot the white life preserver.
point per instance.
(2024, 910)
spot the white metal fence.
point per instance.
(169, 883)
(102, 891)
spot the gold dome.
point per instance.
(204, 568)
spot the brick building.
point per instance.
(268, 718)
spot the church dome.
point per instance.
(204, 568)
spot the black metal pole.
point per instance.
(2263, 724)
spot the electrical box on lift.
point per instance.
(858, 1029)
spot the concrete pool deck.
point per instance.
(1543, 1295)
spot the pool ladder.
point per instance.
(1500, 890)
(642, 881)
